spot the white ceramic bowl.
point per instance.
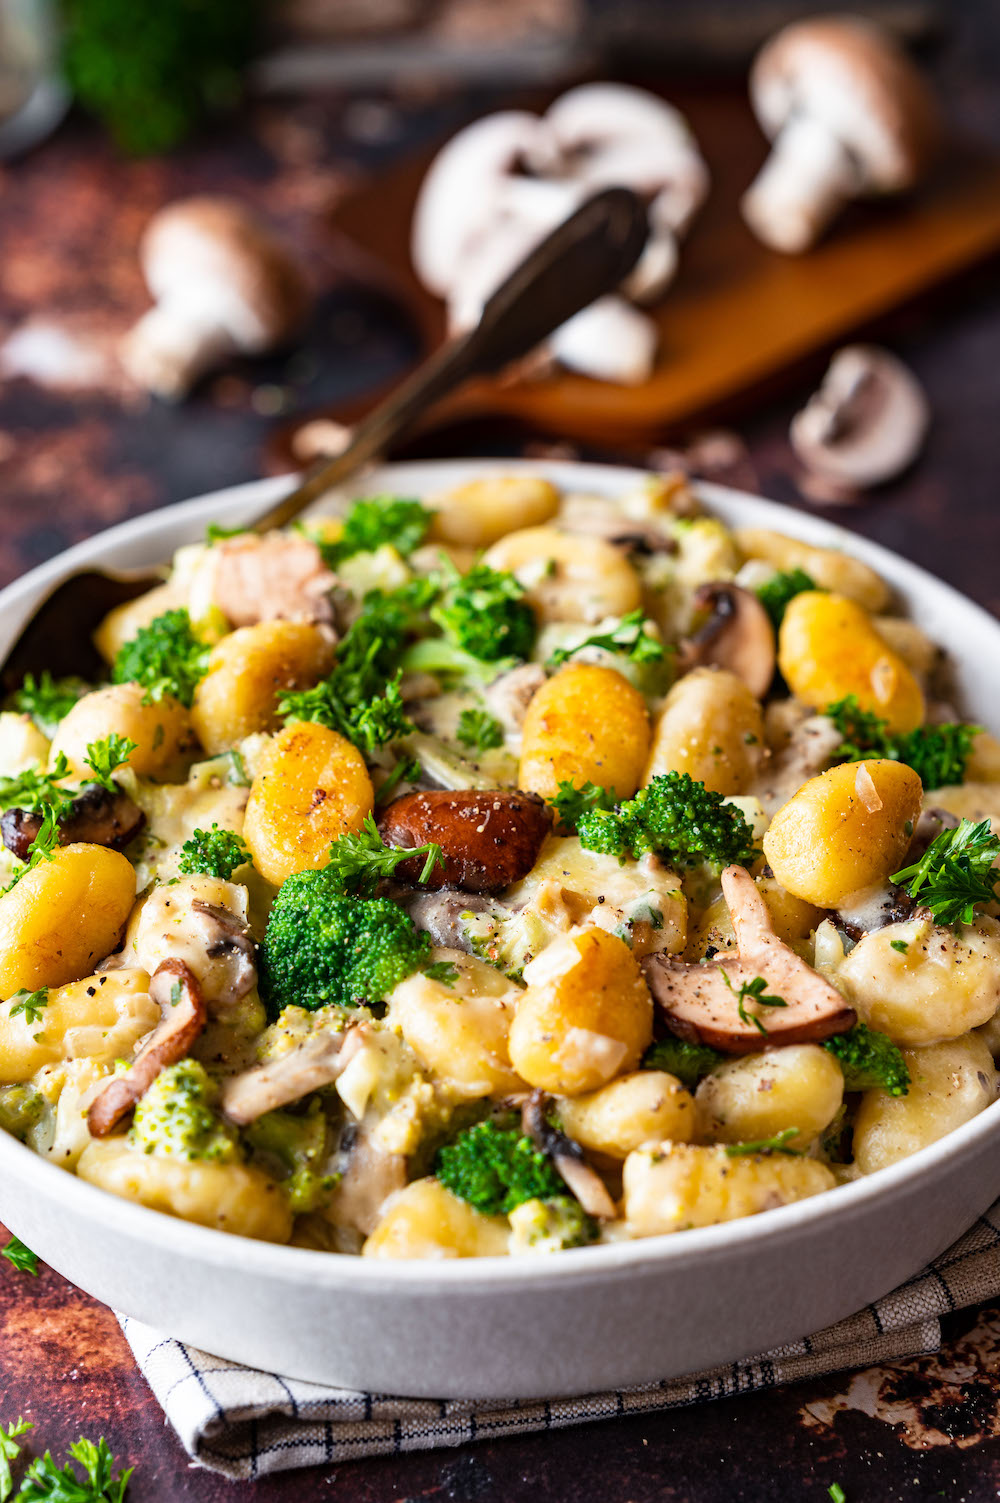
(585, 1320)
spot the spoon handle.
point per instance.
(584, 257)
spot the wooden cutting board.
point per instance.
(738, 315)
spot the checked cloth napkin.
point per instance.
(245, 1423)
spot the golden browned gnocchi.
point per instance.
(587, 724)
(950, 1083)
(454, 908)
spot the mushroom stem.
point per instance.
(174, 344)
(803, 185)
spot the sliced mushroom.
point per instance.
(488, 839)
(222, 283)
(368, 1176)
(595, 518)
(866, 423)
(97, 816)
(849, 115)
(440, 914)
(316, 1062)
(176, 992)
(277, 577)
(737, 635)
(864, 912)
(508, 697)
(808, 751)
(227, 938)
(702, 1002)
(567, 1157)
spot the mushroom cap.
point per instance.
(607, 134)
(866, 423)
(218, 252)
(737, 635)
(463, 188)
(851, 76)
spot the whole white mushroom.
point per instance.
(849, 115)
(223, 284)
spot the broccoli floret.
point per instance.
(496, 1168)
(485, 614)
(321, 947)
(674, 816)
(442, 658)
(689, 1062)
(214, 852)
(541, 1226)
(375, 521)
(165, 657)
(177, 1117)
(295, 1147)
(870, 1061)
(21, 1109)
(775, 594)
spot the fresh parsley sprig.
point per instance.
(777, 1144)
(358, 862)
(939, 754)
(479, 731)
(44, 1482)
(46, 699)
(571, 803)
(165, 657)
(955, 873)
(9, 1451)
(30, 1004)
(369, 726)
(374, 521)
(20, 1257)
(629, 638)
(775, 594)
(444, 971)
(106, 756)
(752, 991)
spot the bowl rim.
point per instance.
(579, 1266)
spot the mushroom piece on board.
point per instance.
(849, 115)
(866, 423)
(713, 1004)
(222, 284)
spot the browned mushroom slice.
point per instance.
(712, 1004)
(271, 578)
(97, 816)
(737, 635)
(602, 519)
(317, 1061)
(174, 988)
(568, 1158)
(488, 839)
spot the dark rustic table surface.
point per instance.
(80, 450)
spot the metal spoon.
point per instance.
(585, 257)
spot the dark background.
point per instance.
(75, 458)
